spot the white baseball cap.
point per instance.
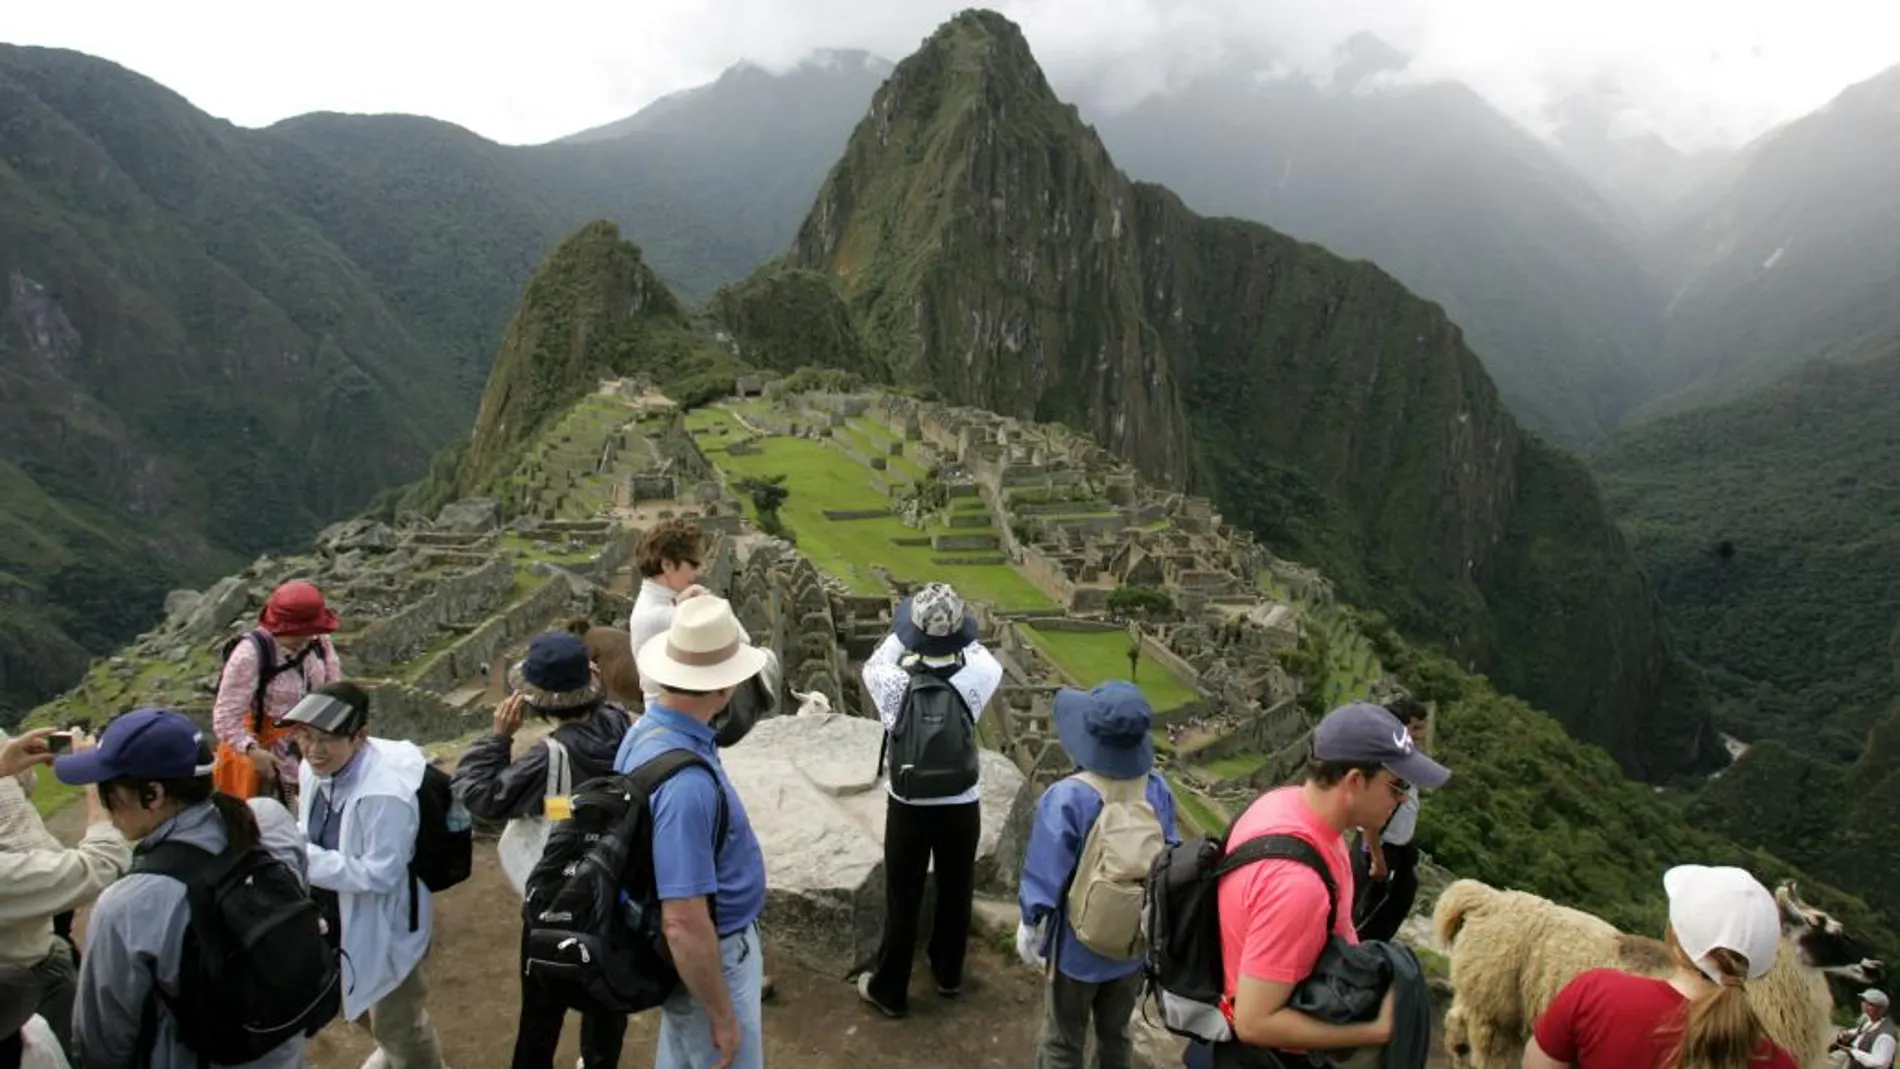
(1723, 907)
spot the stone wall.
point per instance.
(784, 604)
(394, 639)
(398, 710)
(526, 617)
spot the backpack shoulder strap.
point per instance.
(266, 646)
(200, 871)
(647, 777)
(1279, 846)
(1126, 791)
(560, 775)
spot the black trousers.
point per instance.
(539, 1031)
(1381, 906)
(916, 837)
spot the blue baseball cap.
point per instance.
(146, 744)
(1366, 734)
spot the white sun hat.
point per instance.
(701, 650)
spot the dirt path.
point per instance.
(814, 1022)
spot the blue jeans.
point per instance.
(686, 1034)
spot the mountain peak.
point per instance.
(981, 44)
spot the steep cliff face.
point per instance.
(986, 245)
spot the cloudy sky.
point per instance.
(1699, 72)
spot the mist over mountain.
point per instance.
(1433, 184)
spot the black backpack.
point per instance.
(1180, 916)
(445, 839)
(932, 746)
(267, 666)
(589, 945)
(257, 970)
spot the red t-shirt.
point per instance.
(1605, 1019)
(1273, 913)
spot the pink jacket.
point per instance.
(231, 711)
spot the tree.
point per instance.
(767, 492)
(1140, 602)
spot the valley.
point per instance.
(1268, 395)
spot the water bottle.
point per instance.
(458, 819)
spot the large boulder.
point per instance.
(471, 515)
(216, 608)
(809, 787)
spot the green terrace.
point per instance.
(823, 478)
(565, 457)
(1090, 657)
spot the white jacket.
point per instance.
(369, 870)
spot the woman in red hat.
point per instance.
(254, 756)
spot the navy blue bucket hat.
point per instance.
(1107, 729)
(934, 622)
(556, 675)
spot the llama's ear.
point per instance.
(1794, 912)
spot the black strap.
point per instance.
(268, 669)
(199, 870)
(1284, 847)
(647, 777)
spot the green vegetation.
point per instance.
(1140, 601)
(1091, 657)
(1532, 808)
(820, 477)
(1321, 405)
(1772, 528)
(594, 310)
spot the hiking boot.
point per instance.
(864, 992)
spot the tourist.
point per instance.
(1107, 731)
(1870, 1043)
(668, 558)
(1385, 867)
(1724, 930)
(696, 664)
(41, 879)
(361, 816)
(22, 830)
(556, 681)
(1273, 913)
(932, 829)
(151, 772)
(254, 751)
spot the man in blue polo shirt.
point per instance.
(711, 893)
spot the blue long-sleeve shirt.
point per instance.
(1064, 815)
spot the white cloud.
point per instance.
(1699, 72)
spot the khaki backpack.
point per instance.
(1104, 901)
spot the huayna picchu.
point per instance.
(986, 248)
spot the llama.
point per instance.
(1511, 952)
(611, 649)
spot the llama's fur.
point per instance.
(611, 650)
(1512, 952)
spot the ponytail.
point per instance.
(1719, 1029)
(240, 824)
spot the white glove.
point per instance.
(1029, 941)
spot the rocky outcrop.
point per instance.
(810, 791)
